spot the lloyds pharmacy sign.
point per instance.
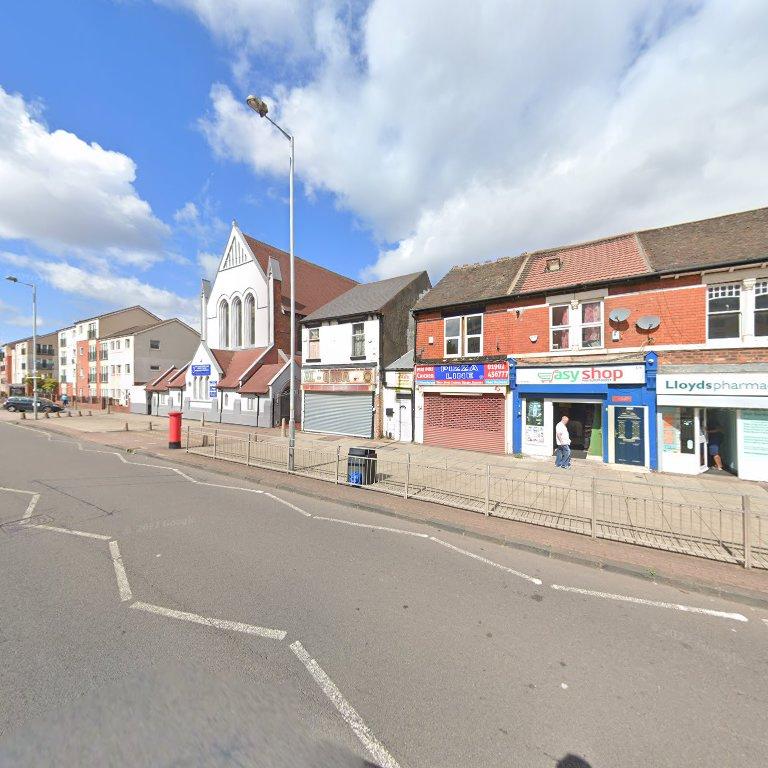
(713, 384)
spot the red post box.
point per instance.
(174, 429)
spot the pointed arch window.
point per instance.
(237, 323)
(223, 324)
(250, 320)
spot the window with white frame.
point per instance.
(761, 308)
(313, 344)
(560, 324)
(724, 311)
(358, 339)
(463, 335)
(577, 326)
(127, 343)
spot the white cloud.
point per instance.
(65, 194)
(200, 221)
(209, 263)
(461, 133)
(110, 289)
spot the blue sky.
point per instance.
(427, 134)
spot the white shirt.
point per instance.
(561, 434)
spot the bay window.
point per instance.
(463, 335)
(724, 311)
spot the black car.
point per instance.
(27, 404)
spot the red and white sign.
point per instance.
(587, 375)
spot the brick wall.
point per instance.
(682, 313)
(713, 356)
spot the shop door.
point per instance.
(472, 422)
(339, 413)
(629, 436)
(403, 415)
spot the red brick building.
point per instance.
(694, 296)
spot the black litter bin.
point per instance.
(361, 466)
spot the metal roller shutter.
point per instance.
(339, 413)
(472, 422)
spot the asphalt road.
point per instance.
(204, 622)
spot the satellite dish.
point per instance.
(620, 315)
(649, 322)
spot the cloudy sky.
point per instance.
(427, 134)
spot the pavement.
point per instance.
(154, 613)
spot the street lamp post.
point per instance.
(259, 106)
(34, 338)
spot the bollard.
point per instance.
(23, 415)
(69, 413)
(90, 413)
(58, 414)
(187, 438)
(150, 426)
(46, 415)
(126, 427)
(174, 429)
(202, 420)
(407, 476)
(79, 412)
(282, 428)
(338, 459)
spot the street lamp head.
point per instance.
(12, 279)
(257, 105)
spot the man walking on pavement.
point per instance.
(563, 440)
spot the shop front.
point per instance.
(611, 409)
(463, 405)
(713, 420)
(339, 401)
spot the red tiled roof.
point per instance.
(258, 384)
(315, 285)
(234, 363)
(600, 260)
(178, 379)
(161, 384)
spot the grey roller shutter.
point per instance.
(339, 413)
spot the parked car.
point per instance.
(27, 404)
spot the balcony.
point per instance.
(92, 334)
(92, 357)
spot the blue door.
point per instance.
(629, 436)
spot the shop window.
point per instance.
(313, 345)
(560, 322)
(761, 308)
(724, 311)
(358, 340)
(463, 335)
(534, 421)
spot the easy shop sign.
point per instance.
(583, 375)
(463, 374)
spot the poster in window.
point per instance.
(755, 432)
(671, 430)
(534, 422)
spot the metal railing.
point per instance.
(726, 527)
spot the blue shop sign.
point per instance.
(201, 370)
(464, 373)
(212, 389)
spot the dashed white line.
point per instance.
(376, 749)
(485, 560)
(122, 578)
(232, 626)
(70, 531)
(374, 527)
(654, 603)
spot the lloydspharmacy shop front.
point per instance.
(711, 417)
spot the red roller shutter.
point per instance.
(473, 422)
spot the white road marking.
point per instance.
(485, 560)
(233, 626)
(654, 603)
(765, 621)
(122, 578)
(33, 501)
(355, 722)
(375, 527)
(70, 531)
(288, 504)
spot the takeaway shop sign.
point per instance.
(588, 375)
(463, 374)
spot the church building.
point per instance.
(240, 371)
